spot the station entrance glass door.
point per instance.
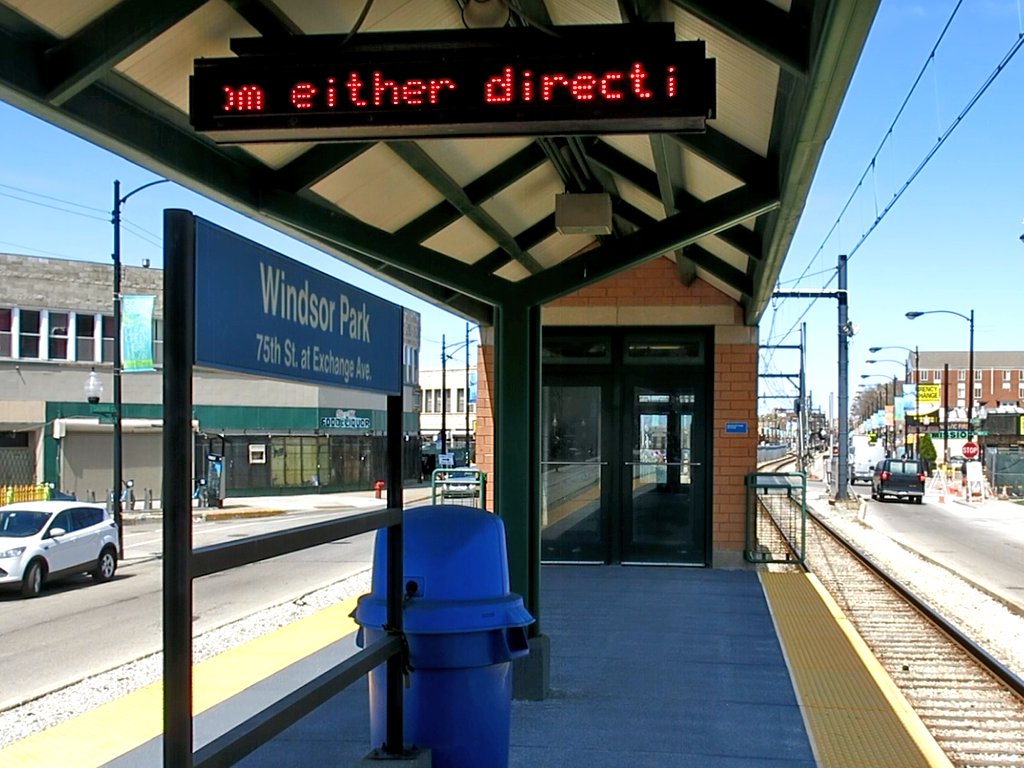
(624, 459)
(662, 475)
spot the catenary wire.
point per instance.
(931, 153)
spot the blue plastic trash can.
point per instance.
(463, 627)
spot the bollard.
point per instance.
(147, 502)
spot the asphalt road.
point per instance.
(983, 543)
(76, 628)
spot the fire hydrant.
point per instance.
(377, 488)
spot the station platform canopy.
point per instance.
(469, 222)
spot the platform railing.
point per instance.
(246, 737)
(776, 517)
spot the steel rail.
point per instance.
(991, 664)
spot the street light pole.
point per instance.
(970, 361)
(118, 460)
(117, 367)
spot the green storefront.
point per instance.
(266, 450)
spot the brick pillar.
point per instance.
(484, 409)
(735, 455)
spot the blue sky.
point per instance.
(950, 242)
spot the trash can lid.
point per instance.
(455, 574)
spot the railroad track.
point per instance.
(777, 465)
(972, 703)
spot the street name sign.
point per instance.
(517, 81)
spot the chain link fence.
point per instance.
(1004, 468)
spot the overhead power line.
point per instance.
(1018, 43)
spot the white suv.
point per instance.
(43, 540)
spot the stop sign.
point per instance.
(970, 450)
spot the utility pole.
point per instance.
(843, 470)
(844, 332)
(444, 398)
(945, 413)
(802, 416)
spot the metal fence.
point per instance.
(771, 452)
(1004, 468)
(463, 485)
(776, 517)
(17, 466)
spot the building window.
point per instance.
(961, 375)
(58, 347)
(977, 391)
(158, 342)
(1006, 375)
(428, 401)
(417, 398)
(961, 390)
(1020, 392)
(85, 343)
(6, 324)
(926, 375)
(437, 401)
(977, 375)
(108, 339)
(460, 401)
(938, 376)
(28, 338)
(448, 401)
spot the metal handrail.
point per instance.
(228, 749)
(249, 735)
(232, 554)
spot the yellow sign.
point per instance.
(927, 393)
(1020, 429)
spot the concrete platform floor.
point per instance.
(651, 667)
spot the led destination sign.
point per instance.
(566, 86)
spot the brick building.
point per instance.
(676, 363)
(998, 377)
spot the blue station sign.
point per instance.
(736, 427)
(259, 312)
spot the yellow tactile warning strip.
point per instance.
(856, 716)
(102, 734)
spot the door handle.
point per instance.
(656, 463)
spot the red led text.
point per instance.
(373, 88)
(581, 86)
(380, 91)
(248, 98)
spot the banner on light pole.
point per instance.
(137, 333)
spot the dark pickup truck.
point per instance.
(901, 478)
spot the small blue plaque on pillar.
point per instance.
(736, 427)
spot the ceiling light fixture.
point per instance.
(481, 14)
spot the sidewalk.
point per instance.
(268, 506)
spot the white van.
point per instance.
(864, 456)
